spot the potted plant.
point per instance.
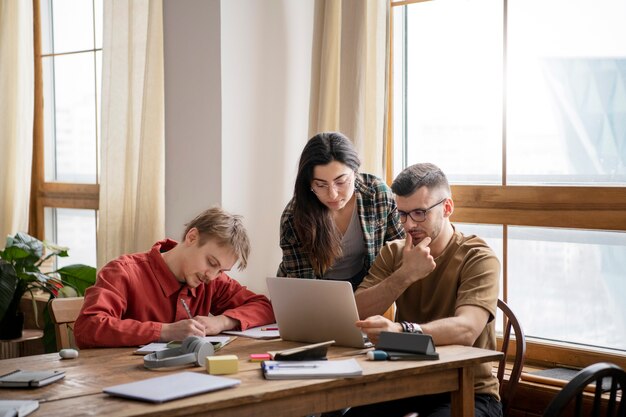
(20, 263)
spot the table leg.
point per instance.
(463, 399)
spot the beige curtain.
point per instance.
(132, 180)
(349, 75)
(17, 91)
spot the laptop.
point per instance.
(171, 387)
(315, 310)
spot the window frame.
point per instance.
(603, 208)
(50, 194)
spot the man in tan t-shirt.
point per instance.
(444, 284)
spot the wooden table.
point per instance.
(80, 392)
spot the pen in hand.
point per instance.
(186, 307)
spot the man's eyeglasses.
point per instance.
(341, 185)
(417, 215)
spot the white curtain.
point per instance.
(350, 75)
(132, 175)
(17, 90)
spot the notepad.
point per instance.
(345, 368)
(218, 343)
(262, 332)
(171, 387)
(30, 379)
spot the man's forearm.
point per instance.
(377, 299)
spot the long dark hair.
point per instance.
(313, 221)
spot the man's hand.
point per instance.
(216, 324)
(181, 329)
(417, 262)
(372, 326)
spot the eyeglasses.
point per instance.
(341, 185)
(417, 215)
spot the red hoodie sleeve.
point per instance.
(101, 322)
(237, 302)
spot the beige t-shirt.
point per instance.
(467, 273)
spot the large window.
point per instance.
(523, 105)
(65, 172)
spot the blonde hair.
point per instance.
(225, 229)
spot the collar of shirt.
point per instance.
(166, 278)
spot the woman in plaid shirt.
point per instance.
(338, 219)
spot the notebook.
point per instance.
(171, 387)
(315, 310)
(311, 369)
(30, 379)
(218, 343)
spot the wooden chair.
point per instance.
(573, 390)
(510, 323)
(391, 312)
(64, 312)
(507, 391)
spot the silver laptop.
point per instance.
(314, 310)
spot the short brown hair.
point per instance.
(225, 229)
(420, 175)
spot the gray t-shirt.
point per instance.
(353, 246)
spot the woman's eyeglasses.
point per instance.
(341, 185)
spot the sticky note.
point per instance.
(223, 364)
(259, 357)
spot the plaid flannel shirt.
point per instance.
(379, 221)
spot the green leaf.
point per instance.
(78, 276)
(8, 285)
(16, 254)
(24, 246)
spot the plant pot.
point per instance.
(12, 325)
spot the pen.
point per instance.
(186, 307)
(280, 366)
(266, 329)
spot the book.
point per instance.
(345, 368)
(217, 341)
(316, 351)
(171, 387)
(30, 379)
(19, 408)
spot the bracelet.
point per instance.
(408, 327)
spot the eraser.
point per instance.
(259, 357)
(223, 364)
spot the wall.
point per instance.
(193, 150)
(245, 111)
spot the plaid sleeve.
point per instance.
(379, 215)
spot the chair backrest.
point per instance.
(573, 390)
(64, 312)
(510, 322)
